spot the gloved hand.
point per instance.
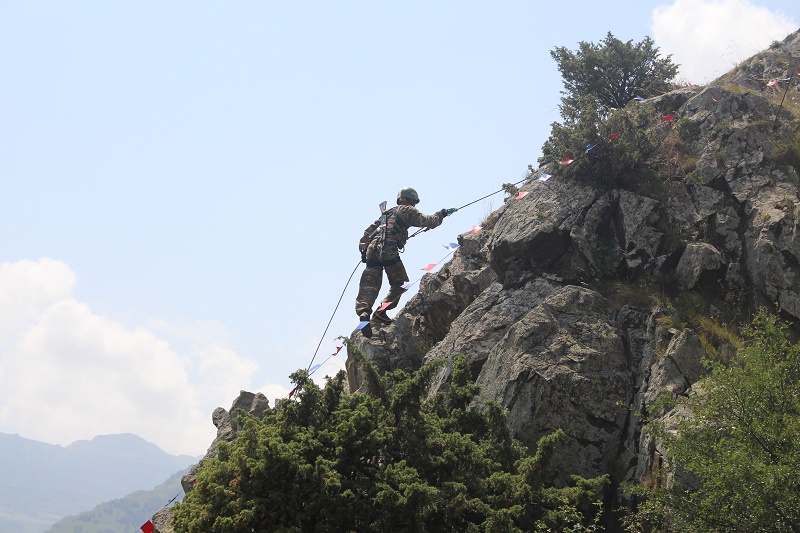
(362, 247)
(445, 212)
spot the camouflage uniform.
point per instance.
(399, 220)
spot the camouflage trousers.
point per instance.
(372, 277)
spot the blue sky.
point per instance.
(185, 183)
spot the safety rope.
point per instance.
(421, 230)
(332, 315)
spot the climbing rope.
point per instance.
(332, 315)
(421, 230)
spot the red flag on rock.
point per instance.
(148, 527)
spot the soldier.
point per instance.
(380, 249)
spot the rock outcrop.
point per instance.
(227, 428)
(549, 302)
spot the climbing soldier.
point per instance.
(380, 249)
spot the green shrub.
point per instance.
(390, 459)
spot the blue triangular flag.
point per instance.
(589, 147)
(637, 97)
(314, 368)
(362, 325)
(451, 246)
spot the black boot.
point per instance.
(382, 317)
(366, 330)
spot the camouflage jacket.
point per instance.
(398, 220)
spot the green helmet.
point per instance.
(409, 194)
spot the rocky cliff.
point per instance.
(571, 304)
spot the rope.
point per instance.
(421, 230)
(332, 315)
(791, 79)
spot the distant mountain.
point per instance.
(42, 483)
(124, 514)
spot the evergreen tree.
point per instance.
(612, 73)
(393, 458)
(599, 81)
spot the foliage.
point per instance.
(612, 73)
(627, 160)
(742, 444)
(390, 459)
(510, 190)
(599, 81)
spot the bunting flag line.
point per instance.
(613, 136)
(668, 118)
(637, 97)
(429, 267)
(407, 285)
(314, 368)
(291, 392)
(522, 194)
(384, 305)
(772, 83)
(475, 229)
(543, 177)
(589, 147)
(148, 527)
(338, 349)
(566, 161)
(362, 324)
(453, 246)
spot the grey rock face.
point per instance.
(518, 298)
(700, 264)
(563, 364)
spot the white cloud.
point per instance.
(67, 373)
(708, 37)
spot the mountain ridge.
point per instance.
(42, 482)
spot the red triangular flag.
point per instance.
(291, 393)
(668, 118)
(521, 194)
(338, 349)
(387, 304)
(475, 229)
(429, 266)
(613, 136)
(566, 161)
(772, 83)
(148, 527)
